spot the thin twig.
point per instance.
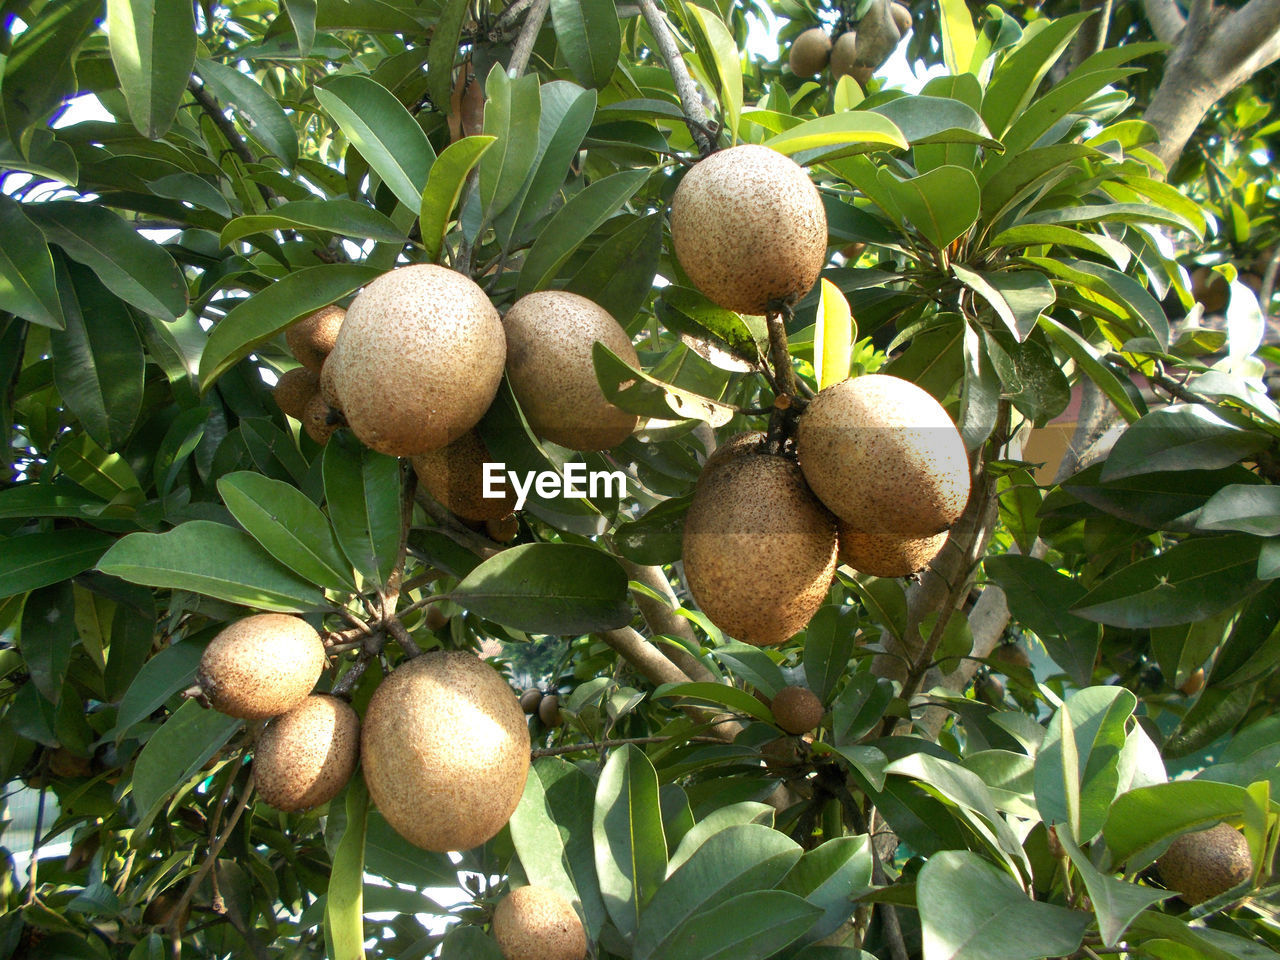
(686, 88)
(528, 34)
(238, 143)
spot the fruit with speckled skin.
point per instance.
(328, 388)
(884, 457)
(306, 756)
(536, 923)
(419, 358)
(445, 750)
(454, 475)
(293, 390)
(749, 228)
(550, 335)
(809, 52)
(316, 420)
(549, 711)
(503, 530)
(844, 61)
(797, 709)
(261, 666)
(1193, 684)
(529, 701)
(736, 446)
(311, 339)
(886, 554)
(1201, 865)
(1011, 656)
(759, 549)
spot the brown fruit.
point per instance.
(466, 105)
(1201, 865)
(420, 355)
(317, 420)
(529, 701)
(883, 456)
(328, 389)
(503, 530)
(550, 337)
(809, 52)
(434, 618)
(886, 554)
(454, 476)
(759, 549)
(159, 912)
(445, 750)
(843, 54)
(261, 666)
(1211, 289)
(311, 339)
(306, 756)
(64, 763)
(536, 923)
(797, 709)
(549, 711)
(781, 755)
(732, 448)
(1012, 656)
(1193, 684)
(294, 391)
(748, 226)
(901, 18)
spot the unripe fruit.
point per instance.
(1012, 656)
(445, 750)
(809, 52)
(311, 339)
(550, 338)
(434, 618)
(317, 420)
(886, 554)
(420, 355)
(1193, 684)
(529, 701)
(749, 228)
(1201, 865)
(306, 756)
(454, 476)
(549, 711)
(797, 709)
(883, 456)
(536, 923)
(294, 390)
(261, 666)
(503, 530)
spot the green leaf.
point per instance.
(942, 204)
(441, 53)
(721, 58)
(340, 216)
(958, 36)
(980, 393)
(344, 901)
(302, 14)
(828, 646)
(736, 860)
(967, 908)
(153, 47)
(40, 68)
(553, 588)
(27, 284)
(512, 113)
(252, 322)
(839, 135)
(39, 559)
(1189, 581)
(684, 310)
(716, 694)
(47, 637)
(385, 133)
(630, 847)
(362, 492)
(1029, 235)
(927, 120)
(444, 185)
(1116, 902)
(289, 526)
(103, 474)
(590, 37)
(175, 752)
(750, 926)
(826, 876)
(266, 120)
(1086, 357)
(1018, 298)
(46, 500)
(180, 441)
(213, 559)
(655, 538)
(859, 707)
(552, 832)
(649, 397)
(170, 670)
(129, 265)
(1098, 717)
(465, 942)
(1015, 80)
(619, 274)
(1183, 437)
(572, 224)
(387, 855)
(1152, 816)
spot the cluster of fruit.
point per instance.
(857, 52)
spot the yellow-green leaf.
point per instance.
(832, 336)
(344, 903)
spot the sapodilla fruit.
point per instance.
(445, 750)
(736, 446)
(844, 61)
(311, 339)
(887, 554)
(901, 14)
(294, 390)
(1201, 865)
(328, 389)
(796, 709)
(884, 457)
(454, 475)
(420, 356)
(749, 228)
(536, 923)
(550, 336)
(809, 52)
(306, 756)
(316, 420)
(759, 549)
(261, 666)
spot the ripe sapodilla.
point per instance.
(809, 52)
(261, 666)
(306, 756)
(749, 228)
(536, 923)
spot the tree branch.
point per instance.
(1253, 31)
(1165, 18)
(528, 34)
(663, 620)
(686, 89)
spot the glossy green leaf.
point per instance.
(302, 14)
(965, 902)
(27, 284)
(362, 492)
(1189, 581)
(153, 47)
(465, 942)
(213, 559)
(1016, 79)
(176, 751)
(169, 671)
(630, 847)
(1116, 902)
(655, 538)
(265, 120)
(40, 66)
(444, 186)
(289, 526)
(553, 588)
(720, 58)
(841, 134)
(958, 36)
(927, 120)
(828, 646)
(942, 204)
(103, 474)
(750, 926)
(1149, 816)
(512, 113)
(45, 500)
(47, 638)
(128, 264)
(384, 132)
(39, 559)
(826, 876)
(636, 392)
(1027, 235)
(717, 694)
(572, 224)
(590, 38)
(684, 310)
(1084, 354)
(1183, 437)
(1018, 297)
(344, 217)
(441, 53)
(979, 395)
(619, 274)
(252, 322)
(344, 901)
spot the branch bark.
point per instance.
(528, 34)
(690, 97)
(1165, 18)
